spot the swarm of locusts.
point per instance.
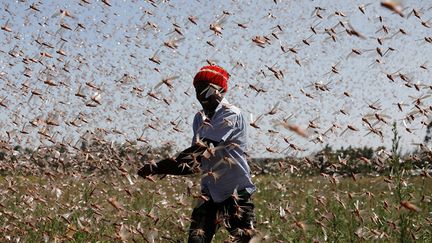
(91, 90)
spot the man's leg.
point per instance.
(241, 218)
(203, 225)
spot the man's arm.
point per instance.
(185, 163)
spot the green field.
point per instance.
(289, 209)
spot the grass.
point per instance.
(288, 209)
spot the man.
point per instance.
(217, 151)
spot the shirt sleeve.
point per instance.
(195, 128)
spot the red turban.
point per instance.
(213, 74)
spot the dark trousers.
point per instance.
(236, 215)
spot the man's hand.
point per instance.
(145, 171)
(185, 164)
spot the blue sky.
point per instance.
(119, 39)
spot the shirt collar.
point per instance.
(224, 103)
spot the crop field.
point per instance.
(91, 208)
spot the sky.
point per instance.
(104, 53)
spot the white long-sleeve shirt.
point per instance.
(225, 170)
